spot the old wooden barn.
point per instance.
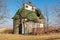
(28, 20)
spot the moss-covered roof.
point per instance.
(23, 13)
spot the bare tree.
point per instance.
(46, 18)
(3, 11)
(56, 10)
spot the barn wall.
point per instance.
(16, 26)
(30, 26)
(41, 21)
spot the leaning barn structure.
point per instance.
(28, 20)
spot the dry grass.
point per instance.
(6, 30)
(55, 36)
(29, 37)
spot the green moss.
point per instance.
(28, 14)
(31, 16)
(17, 14)
(23, 13)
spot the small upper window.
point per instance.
(26, 6)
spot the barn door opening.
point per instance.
(20, 29)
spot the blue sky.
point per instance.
(13, 6)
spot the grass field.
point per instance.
(30, 37)
(53, 36)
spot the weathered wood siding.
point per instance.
(30, 26)
(16, 26)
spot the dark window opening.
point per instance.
(26, 6)
(37, 13)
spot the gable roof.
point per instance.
(23, 13)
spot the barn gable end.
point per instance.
(28, 20)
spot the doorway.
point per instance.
(20, 29)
